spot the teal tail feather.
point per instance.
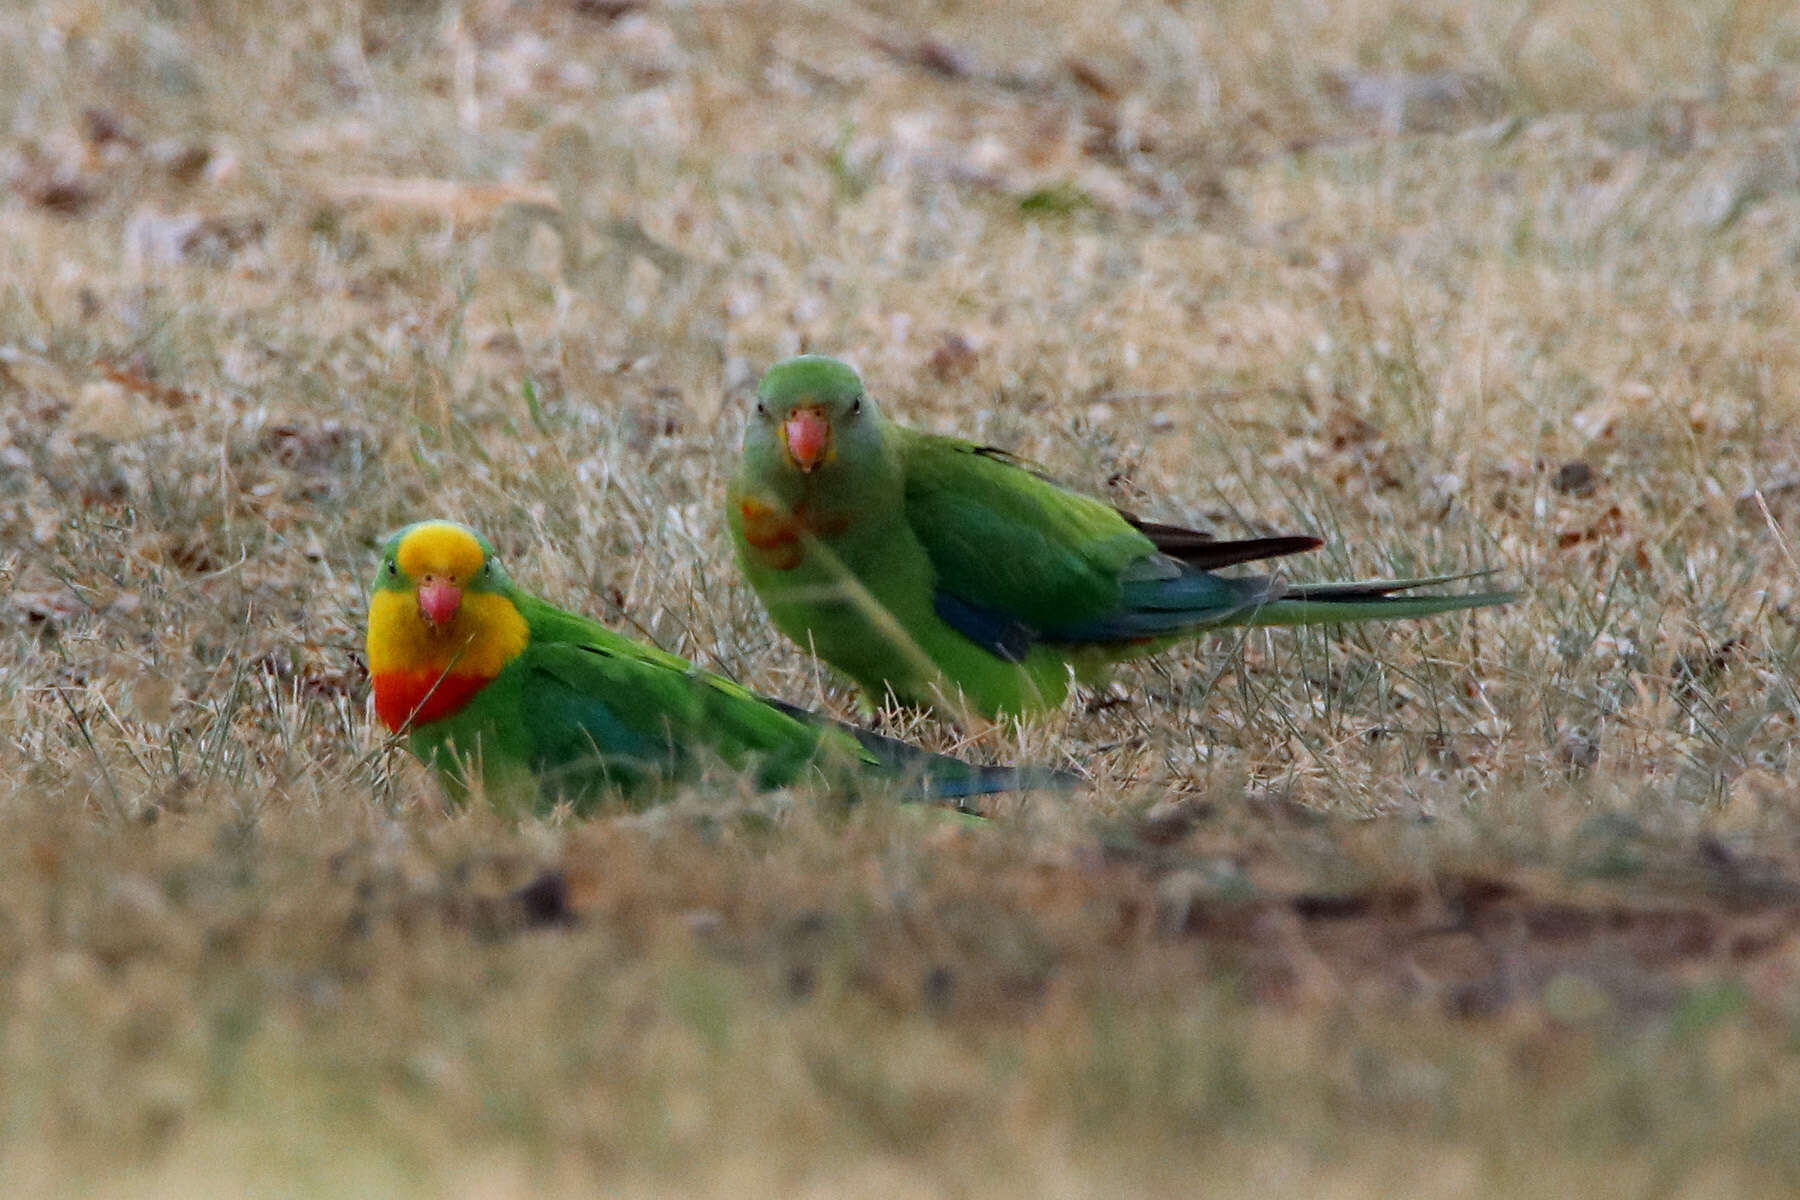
(972, 780)
(939, 777)
(942, 778)
(1366, 600)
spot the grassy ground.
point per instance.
(1496, 905)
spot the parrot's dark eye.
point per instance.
(762, 410)
(393, 568)
(856, 406)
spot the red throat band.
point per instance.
(404, 699)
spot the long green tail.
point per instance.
(940, 777)
(1364, 600)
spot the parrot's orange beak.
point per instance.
(807, 435)
(439, 600)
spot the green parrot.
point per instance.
(538, 705)
(925, 566)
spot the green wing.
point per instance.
(1007, 542)
(606, 712)
(1021, 562)
(592, 696)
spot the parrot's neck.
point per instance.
(851, 500)
(420, 674)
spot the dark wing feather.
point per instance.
(1195, 547)
(1198, 548)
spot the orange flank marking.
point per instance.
(766, 527)
(778, 533)
(404, 699)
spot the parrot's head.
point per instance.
(443, 621)
(814, 412)
(433, 568)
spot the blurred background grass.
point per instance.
(1493, 905)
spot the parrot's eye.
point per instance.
(762, 410)
(856, 406)
(393, 568)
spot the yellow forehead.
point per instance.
(440, 548)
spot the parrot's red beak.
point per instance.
(439, 600)
(807, 435)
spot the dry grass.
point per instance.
(1504, 905)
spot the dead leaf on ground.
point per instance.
(1346, 429)
(607, 10)
(933, 54)
(1607, 526)
(62, 185)
(1438, 101)
(1576, 479)
(134, 379)
(185, 162)
(156, 238)
(953, 358)
(1090, 76)
(41, 598)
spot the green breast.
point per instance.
(863, 603)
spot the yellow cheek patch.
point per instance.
(488, 633)
(441, 548)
